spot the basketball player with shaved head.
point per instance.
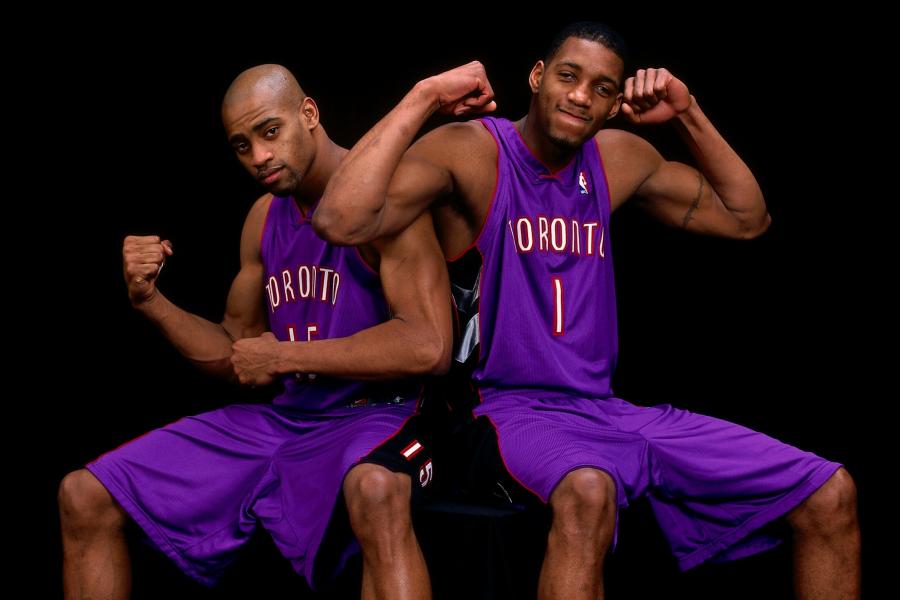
(522, 211)
(348, 331)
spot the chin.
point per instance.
(566, 142)
(280, 189)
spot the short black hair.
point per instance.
(592, 31)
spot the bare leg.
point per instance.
(826, 541)
(378, 505)
(96, 564)
(584, 518)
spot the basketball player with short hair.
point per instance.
(334, 323)
(528, 204)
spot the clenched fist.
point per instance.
(462, 91)
(654, 96)
(142, 260)
(255, 360)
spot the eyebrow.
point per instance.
(258, 127)
(264, 123)
(570, 64)
(577, 67)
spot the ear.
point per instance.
(614, 110)
(309, 113)
(537, 74)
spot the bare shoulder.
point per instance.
(466, 156)
(253, 226)
(621, 141)
(474, 171)
(628, 160)
(462, 131)
(260, 207)
(256, 217)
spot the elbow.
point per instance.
(327, 223)
(441, 364)
(757, 228)
(220, 368)
(433, 358)
(340, 226)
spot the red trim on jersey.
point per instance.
(365, 264)
(262, 234)
(131, 441)
(552, 173)
(605, 179)
(503, 459)
(384, 441)
(480, 323)
(306, 216)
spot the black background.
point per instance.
(774, 333)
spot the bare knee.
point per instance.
(585, 500)
(376, 497)
(830, 508)
(85, 504)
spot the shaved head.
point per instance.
(273, 128)
(265, 82)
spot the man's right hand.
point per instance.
(462, 91)
(142, 260)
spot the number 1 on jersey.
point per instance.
(558, 312)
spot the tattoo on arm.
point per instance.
(694, 204)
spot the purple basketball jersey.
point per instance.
(547, 311)
(316, 291)
(199, 487)
(546, 319)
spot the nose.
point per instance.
(580, 95)
(261, 154)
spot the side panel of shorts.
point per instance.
(191, 485)
(198, 487)
(716, 484)
(711, 483)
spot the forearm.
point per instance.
(204, 343)
(391, 350)
(354, 201)
(728, 175)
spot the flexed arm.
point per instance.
(208, 345)
(723, 198)
(360, 202)
(416, 339)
